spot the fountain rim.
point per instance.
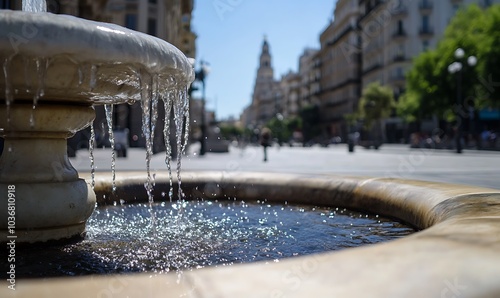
(421, 204)
(88, 41)
(458, 247)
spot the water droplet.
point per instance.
(93, 77)
(9, 97)
(91, 152)
(80, 75)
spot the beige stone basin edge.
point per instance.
(456, 255)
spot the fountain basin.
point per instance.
(80, 61)
(55, 68)
(456, 253)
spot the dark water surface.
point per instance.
(123, 239)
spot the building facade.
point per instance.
(310, 74)
(375, 41)
(392, 33)
(340, 68)
(289, 103)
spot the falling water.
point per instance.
(93, 77)
(146, 94)
(185, 98)
(149, 92)
(154, 108)
(179, 114)
(91, 150)
(80, 75)
(167, 103)
(9, 98)
(34, 5)
(109, 119)
(27, 80)
(41, 70)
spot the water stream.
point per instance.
(109, 120)
(34, 5)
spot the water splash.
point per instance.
(109, 120)
(34, 5)
(91, 151)
(211, 233)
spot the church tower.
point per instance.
(265, 72)
(265, 88)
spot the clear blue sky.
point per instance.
(230, 35)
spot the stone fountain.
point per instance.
(55, 70)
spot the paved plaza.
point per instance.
(480, 168)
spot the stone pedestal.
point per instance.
(50, 201)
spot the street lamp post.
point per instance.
(200, 75)
(457, 67)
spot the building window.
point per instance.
(425, 23)
(401, 50)
(131, 21)
(400, 27)
(425, 45)
(399, 73)
(152, 27)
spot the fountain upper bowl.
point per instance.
(66, 59)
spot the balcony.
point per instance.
(425, 6)
(426, 31)
(371, 68)
(399, 34)
(399, 58)
(400, 10)
(398, 79)
(369, 8)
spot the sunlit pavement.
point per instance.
(481, 168)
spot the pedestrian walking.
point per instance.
(265, 140)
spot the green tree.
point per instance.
(283, 129)
(294, 124)
(278, 128)
(229, 132)
(376, 103)
(432, 91)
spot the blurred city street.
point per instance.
(480, 168)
